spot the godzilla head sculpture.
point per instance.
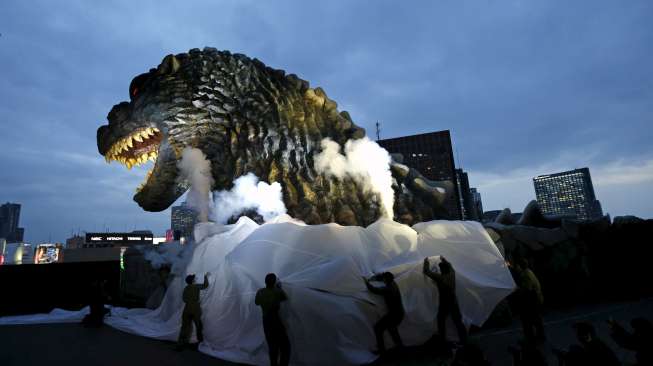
(247, 117)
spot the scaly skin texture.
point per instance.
(247, 117)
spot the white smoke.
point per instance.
(365, 162)
(197, 171)
(174, 254)
(249, 193)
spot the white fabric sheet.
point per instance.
(329, 314)
(55, 316)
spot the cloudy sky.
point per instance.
(526, 87)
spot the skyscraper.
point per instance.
(9, 219)
(465, 195)
(569, 193)
(470, 199)
(478, 204)
(432, 155)
(183, 219)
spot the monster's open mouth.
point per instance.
(137, 149)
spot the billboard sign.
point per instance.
(47, 253)
(119, 238)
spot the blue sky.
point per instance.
(526, 87)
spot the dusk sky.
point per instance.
(526, 88)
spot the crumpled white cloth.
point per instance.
(329, 314)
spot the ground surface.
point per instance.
(72, 344)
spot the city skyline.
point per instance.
(525, 91)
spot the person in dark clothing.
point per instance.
(529, 301)
(597, 353)
(269, 299)
(446, 283)
(395, 315)
(192, 310)
(640, 340)
(97, 311)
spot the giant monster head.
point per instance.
(244, 116)
(146, 129)
(247, 117)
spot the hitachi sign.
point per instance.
(119, 238)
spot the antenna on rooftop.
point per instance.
(378, 131)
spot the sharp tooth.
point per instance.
(145, 134)
(137, 137)
(149, 131)
(129, 142)
(133, 161)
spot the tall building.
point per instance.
(467, 198)
(9, 218)
(183, 219)
(462, 184)
(432, 155)
(569, 193)
(478, 204)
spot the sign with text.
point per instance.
(119, 238)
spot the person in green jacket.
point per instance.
(530, 301)
(192, 310)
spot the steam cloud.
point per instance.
(249, 193)
(365, 162)
(197, 171)
(174, 254)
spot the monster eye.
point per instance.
(138, 84)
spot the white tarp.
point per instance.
(55, 316)
(329, 314)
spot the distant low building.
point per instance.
(569, 193)
(18, 253)
(75, 242)
(108, 240)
